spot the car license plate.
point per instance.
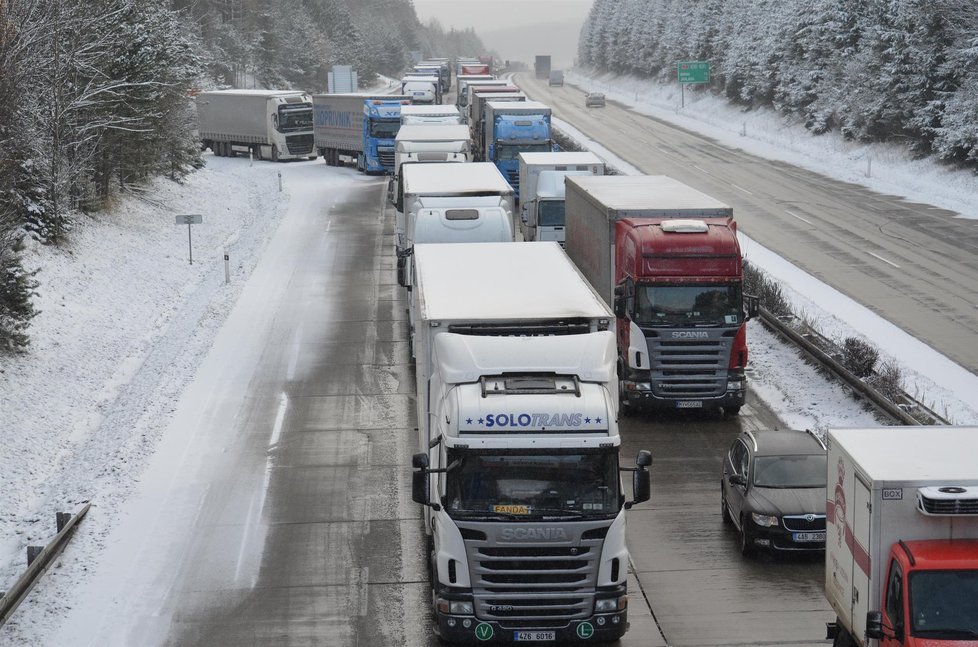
(534, 636)
(689, 404)
(808, 536)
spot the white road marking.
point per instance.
(883, 259)
(294, 357)
(701, 170)
(740, 188)
(795, 215)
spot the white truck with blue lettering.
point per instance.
(518, 468)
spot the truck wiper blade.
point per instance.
(560, 512)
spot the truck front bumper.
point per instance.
(639, 395)
(604, 627)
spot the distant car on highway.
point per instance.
(594, 100)
(556, 78)
(772, 491)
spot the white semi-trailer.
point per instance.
(267, 124)
(430, 115)
(542, 190)
(518, 467)
(901, 548)
(450, 203)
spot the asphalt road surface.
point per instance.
(302, 530)
(913, 264)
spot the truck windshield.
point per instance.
(292, 119)
(532, 484)
(694, 305)
(385, 128)
(512, 151)
(942, 604)
(791, 471)
(550, 213)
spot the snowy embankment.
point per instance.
(939, 382)
(125, 321)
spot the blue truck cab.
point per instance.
(516, 127)
(381, 121)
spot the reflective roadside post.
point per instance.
(190, 219)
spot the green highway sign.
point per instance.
(693, 71)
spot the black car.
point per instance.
(773, 490)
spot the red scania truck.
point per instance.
(666, 257)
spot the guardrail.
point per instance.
(38, 560)
(894, 411)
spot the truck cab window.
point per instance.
(894, 598)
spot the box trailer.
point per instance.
(268, 124)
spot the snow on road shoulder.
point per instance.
(125, 319)
(885, 168)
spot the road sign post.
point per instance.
(190, 219)
(691, 72)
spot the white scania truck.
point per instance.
(518, 468)
(901, 547)
(450, 203)
(268, 124)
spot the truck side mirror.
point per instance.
(420, 484)
(753, 305)
(619, 302)
(874, 625)
(738, 479)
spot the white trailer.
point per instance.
(423, 90)
(517, 463)
(902, 536)
(450, 203)
(431, 143)
(462, 98)
(430, 115)
(542, 190)
(267, 124)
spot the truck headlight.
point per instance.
(455, 607)
(735, 385)
(764, 520)
(610, 605)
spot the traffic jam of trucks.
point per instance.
(546, 299)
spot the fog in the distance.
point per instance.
(516, 29)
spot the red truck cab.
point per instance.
(681, 316)
(929, 596)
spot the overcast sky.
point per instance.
(507, 25)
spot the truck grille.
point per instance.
(800, 523)
(542, 585)
(299, 144)
(689, 368)
(513, 175)
(386, 157)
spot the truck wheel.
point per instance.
(360, 164)
(256, 152)
(746, 541)
(732, 411)
(724, 510)
(274, 153)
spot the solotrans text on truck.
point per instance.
(666, 257)
(518, 466)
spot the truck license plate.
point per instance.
(808, 536)
(534, 636)
(689, 404)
